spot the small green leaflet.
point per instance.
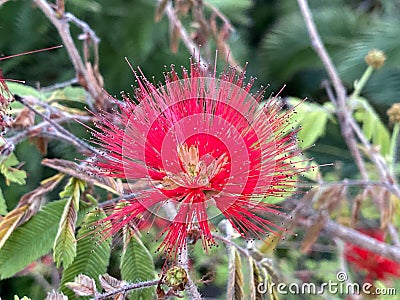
(10, 173)
(372, 126)
(92, 253)
(137, 265)
(65, 243)
(24, 90)
(30, 241)
(313, 119)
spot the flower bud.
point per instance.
(176, 278)
(394, 113)
(375, 58)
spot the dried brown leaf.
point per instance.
(330, 198)
(160, 10)
(25, 118)
(40, 143)
(77, 171)
(356, 209)
(255, 280)
(235, 281)
(386, 208)
(313, 231)
(82, 286)
(174, 38)
(110, 283)
(183, 6)
(27, 206)
(53, 295)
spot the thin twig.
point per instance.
(59, 128)
(83, 74)
(192, 47)
(352, 236)
(348, 182)
(319, 48)
(229, 242)
(341, 95)
(394, 234)
(127, 288)
(217, 12)
(58, 86)
(348, 125)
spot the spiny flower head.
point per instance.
(206, 146)
(376, 266)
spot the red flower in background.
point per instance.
(201, 142)
(376, 267)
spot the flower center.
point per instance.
(197, 172)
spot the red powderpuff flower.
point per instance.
(5, 99)
(205, 144)
(376, 267)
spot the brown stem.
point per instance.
(127, 288)
(84, 75)
(192, 47)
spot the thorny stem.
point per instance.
(127, 288)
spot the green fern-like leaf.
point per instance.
(30, 241)
(92, 254)
(137, 265)
(65, 242)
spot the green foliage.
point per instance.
(3, 205)
(12, 174)
(69, 93)
(137, 265)
(24, 90)
(372, 126)
(23, 298)
(65, 243)
(288, 44)
(92, 253)
(312, 118)
(30, 241)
